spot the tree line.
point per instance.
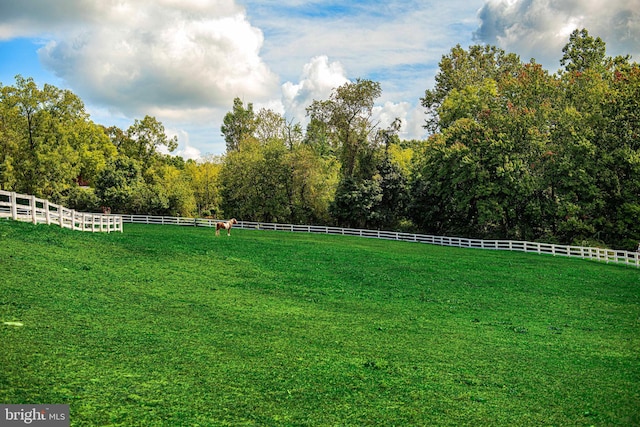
(514, 152)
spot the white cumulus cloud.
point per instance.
(162, 54)
(182, 61)
(319, 77)
(540, 28)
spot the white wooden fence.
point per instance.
(597, 254)
(21, 207)
(32, 209)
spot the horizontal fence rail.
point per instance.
(597, 254)
(22, 207)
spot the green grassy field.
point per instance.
(173, 326)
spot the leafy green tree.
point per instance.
(391, 208)
(275, 181)
(175, 185)
(317, 137)
(583, 52)
(143, 139)
(9, 139)
(594, 144)
(241, 197)
(444, 180)
(48, 141)
(525, 155)
(347, 119)
(273, 174)
(238, 125)
(148, 199)
(44, 163)
(618, 157)
(82, 199)
(479, 176)
(269, 126)
(571, 163)
(371, 191)
(355, 201)
(94, 149)
(256, 182)
(462, 68)
(165, 186)
(314, 181)
(204, 177)
(120, 186)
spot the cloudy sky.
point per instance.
(184, 61)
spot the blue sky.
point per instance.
(183, 61)
(20, 56)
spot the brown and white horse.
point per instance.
(226, 225)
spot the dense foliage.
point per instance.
(523, 154)
(514, 152)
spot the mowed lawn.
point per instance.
(172, 326)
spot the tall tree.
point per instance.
(238, 125)
(255, 182)
(9, 140)
(269, 126)
(119, 184)
(241, 197)
(144, 139)
(462, 68)
(347, 116)
(174, 184)
(617, 157)
(314, 182)
(480, 175)
(47, 140)
(391, 208)
(583, 52)
(205, 184)
(355, 201)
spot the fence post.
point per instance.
(14, 206)
(47, 215)
(32, 203)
